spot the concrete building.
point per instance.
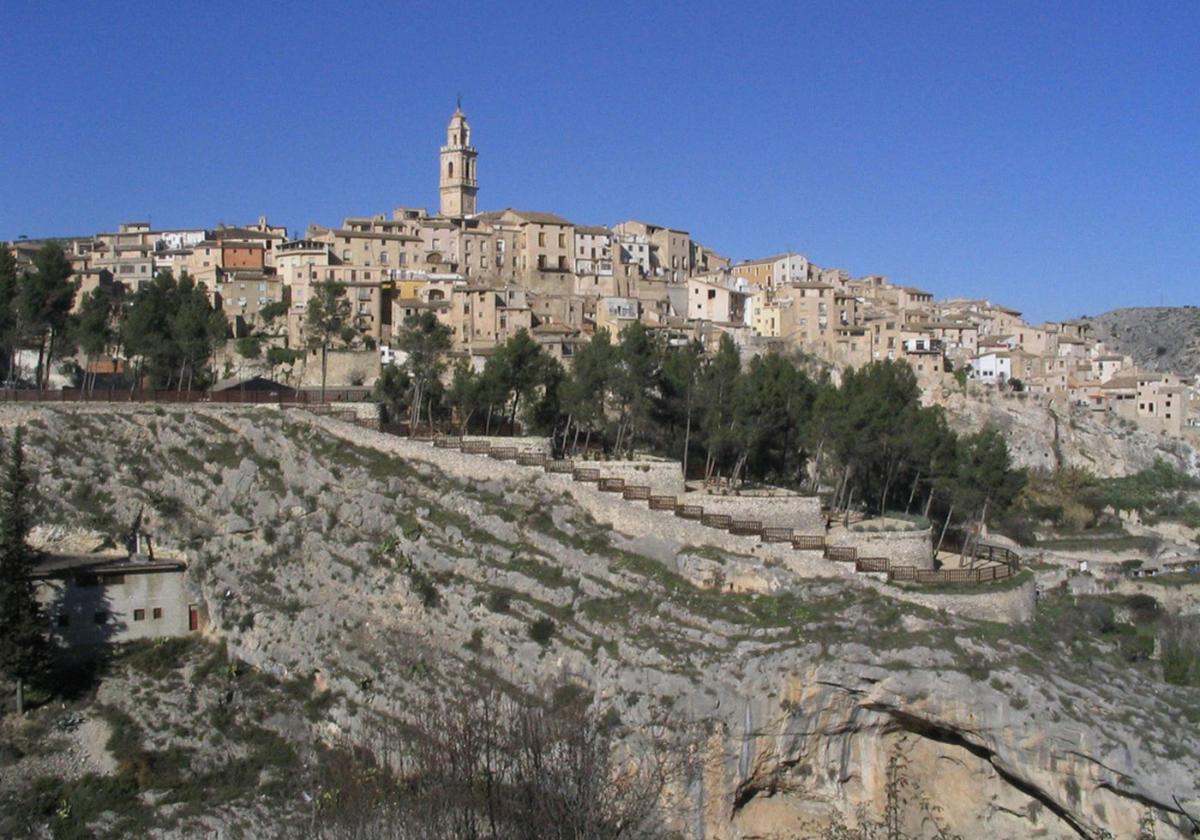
(93, 600)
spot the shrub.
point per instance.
(499, 600)
(1181, 651)
(542, 630)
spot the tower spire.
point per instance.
(457, 179)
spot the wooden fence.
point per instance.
(808, 542)
(871, 564)
(586, 474)
(662, 502)
(689, 511)
(841, 553)
(503, 453)
(560, 467)
(746, 528)
(776, 535)
(715, 520)
(285, 396)
(476, 447)
(636, 492)
(612, 485)
(532, 459)
(983, 575)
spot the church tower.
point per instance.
(457, 179)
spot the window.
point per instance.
(562, 240)
(139, 615)
(541, 238)
(450, 169)
(383, 257)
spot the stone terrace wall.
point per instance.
(537, 445)
(783, 510)
(902, 548)
(664, 478)
(1010, 606)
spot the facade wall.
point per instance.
(116, 601)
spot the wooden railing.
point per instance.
(662, 502)
(636, 492)
(746, 527)
(476, 447)
(503, 453)
(444, 442)
(808, 542)
(689, 511)
(531, 459)
(871, 564)
(612, 485)
(286, 396)
(559, 467)
(841, 553)
(715, 520)
(776, 535)
(983, 575)
(586, 474)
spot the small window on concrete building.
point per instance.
(157, 613)
(139, 615)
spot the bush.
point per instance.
(542, 630)
(1180, 639)
(499, 600)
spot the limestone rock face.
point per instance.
(1044, 434)
(807, 697)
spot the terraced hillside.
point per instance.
(355, 581)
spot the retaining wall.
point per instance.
(1009, 606)
(535, 445)
(902, 548)
(783, 510)
(664, 478)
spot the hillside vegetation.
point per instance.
(363, 582)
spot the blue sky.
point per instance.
(1046, 155)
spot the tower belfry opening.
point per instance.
(458, 182)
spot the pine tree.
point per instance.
(22, 631)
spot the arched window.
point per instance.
(450, 169)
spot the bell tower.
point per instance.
(457, 178)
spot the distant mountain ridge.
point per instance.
(1161, 338)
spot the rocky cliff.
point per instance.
(381, 571)
(1044, 434)
(1162, 338)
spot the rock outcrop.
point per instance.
(383, 574)
(1161, 338)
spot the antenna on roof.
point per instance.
(460, 102)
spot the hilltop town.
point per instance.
(428, 521)
(488, 275)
